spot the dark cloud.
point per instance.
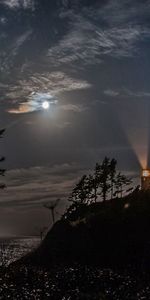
(35, 185)
(29, 189)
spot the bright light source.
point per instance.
(45, 105)
(146, 173)
(127, 205)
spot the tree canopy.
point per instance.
(105, 182)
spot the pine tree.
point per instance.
(81, 191)
(113, 164)
(95, 181)
(104, 179)
(79, 198)
(89, 188)
(121, 181)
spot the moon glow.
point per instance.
(45, 105)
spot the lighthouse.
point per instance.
(145, 179)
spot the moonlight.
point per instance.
(45, 105)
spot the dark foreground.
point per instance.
(115, 236)
(72, 283)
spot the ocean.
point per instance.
(72, 282)
(14, 248)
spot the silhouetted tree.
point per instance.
(81, 191)
(51, 206)
(42, 232)
(80, 197)
(121, 181)
(89, 188)
(74, 211)
(96, 181)
(113, 164)
(2, 158)
(104, 179)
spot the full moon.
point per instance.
(45, 105)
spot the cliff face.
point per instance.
(65, 243)
(117, 233)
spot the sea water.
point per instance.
(66, 282)
(14, 248)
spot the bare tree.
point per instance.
(51, 206)
(43, 232)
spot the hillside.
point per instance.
(116, 233)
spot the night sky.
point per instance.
(91, 61)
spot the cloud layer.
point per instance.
(110, 29)
(90, 61)
(38, 185)
(40, 87)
